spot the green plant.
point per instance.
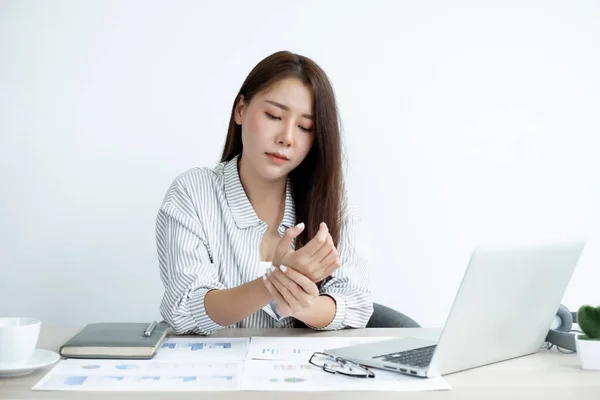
(588, 318)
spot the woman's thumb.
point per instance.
(292, 233)
(298, 229)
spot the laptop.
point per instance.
(504, 307)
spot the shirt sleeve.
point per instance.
(187, 270)
(350, 284)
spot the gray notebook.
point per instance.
(115, 340)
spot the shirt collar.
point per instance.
(242, 210)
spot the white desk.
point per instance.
(546, 375)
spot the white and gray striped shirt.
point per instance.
(208, 237)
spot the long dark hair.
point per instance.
(317, 182)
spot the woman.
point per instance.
(230, 251)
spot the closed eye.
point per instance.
(271, 116)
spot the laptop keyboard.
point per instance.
(417, 357)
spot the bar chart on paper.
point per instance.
(281, 353)
(142, 375)
(201, 348)
(298, 349)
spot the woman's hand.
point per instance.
(316, 260)
(292, 291)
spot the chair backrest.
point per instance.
(385, 317)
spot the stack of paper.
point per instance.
(232, 364)
(281, 364)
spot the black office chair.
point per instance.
(385, 317)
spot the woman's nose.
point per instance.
(286, 137)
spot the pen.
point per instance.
(150, 329)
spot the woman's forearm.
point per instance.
(229, 306)
(320, 314)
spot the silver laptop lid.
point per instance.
(505, 304)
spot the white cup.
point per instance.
(18, 339)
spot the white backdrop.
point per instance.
(462, 123)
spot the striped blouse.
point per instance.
(208, 237)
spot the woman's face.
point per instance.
(277, 128)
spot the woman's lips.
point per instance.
(277, 158)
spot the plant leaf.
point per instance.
(588, 318)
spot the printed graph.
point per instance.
(302, 351)
(186, 378)
(292, 367)
(294, 380)
(127, 366)
(75, 380)
(91, 366)
(271, 352)
(262, 348)
(196, 346)
(150, 378)
(130, 375)
(286, 352)
(206, 348)
(110, 379)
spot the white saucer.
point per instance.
(40, 358)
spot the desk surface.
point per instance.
(548, 374)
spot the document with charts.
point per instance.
(142, 375)
(205, 348)
(227, 364)
(299, 348)
(269, 375)
(181, 363)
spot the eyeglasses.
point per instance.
(337, 365)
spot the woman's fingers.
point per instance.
(331, 269)
(286, 293)
(313, 266)
(294, 294)
(306, 284)
(315, 244)
(324, 251)
(283, 307)
(329, 258)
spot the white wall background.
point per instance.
(464, 121)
